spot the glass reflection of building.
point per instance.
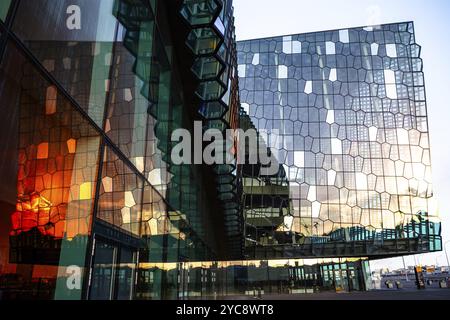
(88, 189)
(91, 205)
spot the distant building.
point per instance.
(345, 112)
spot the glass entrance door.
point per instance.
(353, 282)
(125, 275)
(113, 272)
(102, 286)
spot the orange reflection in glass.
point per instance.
(72, 145)
(50, 101)
(35, 211)
(42, 151)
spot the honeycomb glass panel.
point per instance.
(132, 90)
(75, 44)
(48, 167)
(120, 196)
(352, 161)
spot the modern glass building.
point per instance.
(92, 205)
(91, 93)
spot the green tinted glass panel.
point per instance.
(4, 7)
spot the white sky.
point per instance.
(265, 18)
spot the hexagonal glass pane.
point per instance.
(207, 68)
(213, 110)
(210, 90)
(203, 41)
(198, 12)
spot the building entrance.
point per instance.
(113, 272)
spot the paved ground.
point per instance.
(427, 294)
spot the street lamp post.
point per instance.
(406, 270)
(446, 255)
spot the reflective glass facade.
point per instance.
(92, 205)
(89, 196)
(346, 117)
